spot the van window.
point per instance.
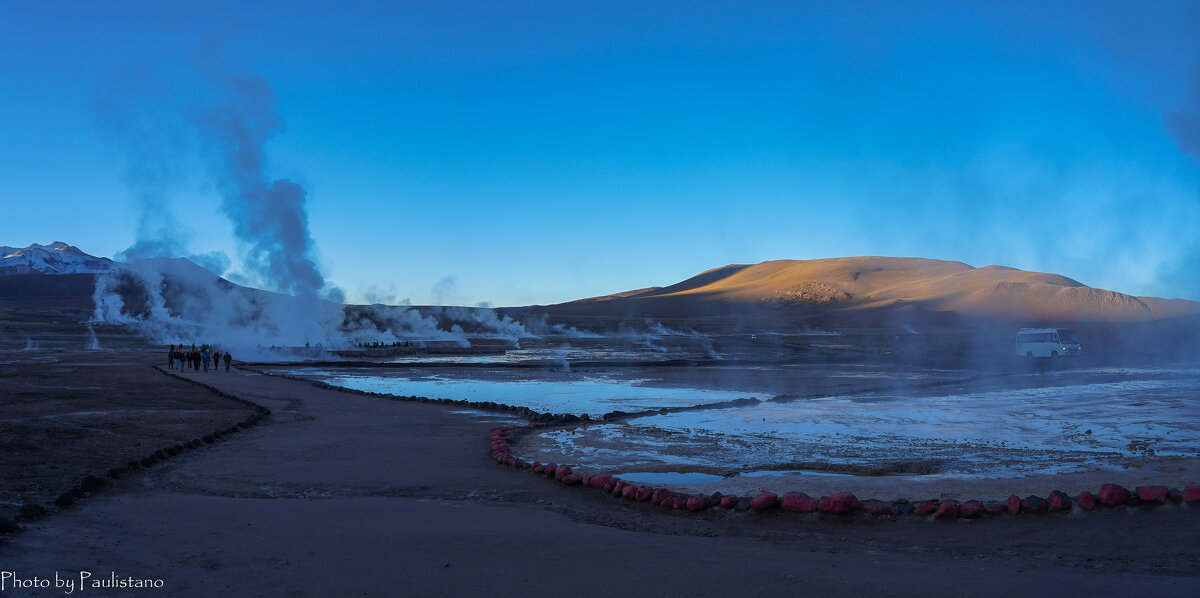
(1068, 337)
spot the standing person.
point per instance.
(228, 359)
(195, 360)
(170, 357)
(205, 357)
(216, 361)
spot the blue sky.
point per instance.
(536, 152)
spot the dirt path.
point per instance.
(343, 495)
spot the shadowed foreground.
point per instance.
(339, 494)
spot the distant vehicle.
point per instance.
(1047, 342)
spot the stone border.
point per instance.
(843, 503)
(92, 484)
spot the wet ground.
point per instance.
(883, 428)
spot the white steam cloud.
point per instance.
(225, 127)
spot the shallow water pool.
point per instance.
(564, 393)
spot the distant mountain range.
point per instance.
(55, 258)
(862, 291)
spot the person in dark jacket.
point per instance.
(228, 360)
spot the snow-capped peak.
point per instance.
(55, 258)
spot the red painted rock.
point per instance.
(1174, 495)
(696, 503)
(946, 510)
(729, 501)
(573, 479)
(598, 481)
(509, 460)
(610, 484)
(885, 508)
(562, 471)
(1014, 504)
(619, 487)
(713, 500)
(1059, 501)
(1192, 494)
(629, 492)
(1113, 494)
(874, 508)
(994, 507)
(1154, 494)
(679, 503)
(926, 508)
(644, 493)
(522, 464)
(842, 503)
(795, 501)
(659, 496)
(764, 501)
(972, 509)
(1086, 500)
(549, 468)
(1034, 504)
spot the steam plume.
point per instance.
(268, 216)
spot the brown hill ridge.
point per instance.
(889, 283)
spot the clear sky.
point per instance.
(536, 152)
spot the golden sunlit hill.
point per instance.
(878, 291)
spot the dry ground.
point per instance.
(69, 414)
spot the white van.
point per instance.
(1047, 342)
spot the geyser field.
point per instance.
(738, 417)
(202, 476)
(745, 379)
(583, 299)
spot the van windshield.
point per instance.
(1068, 337)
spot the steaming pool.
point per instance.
(1077, 422)
(578, 394)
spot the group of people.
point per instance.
(197, 358)
(374, 344)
